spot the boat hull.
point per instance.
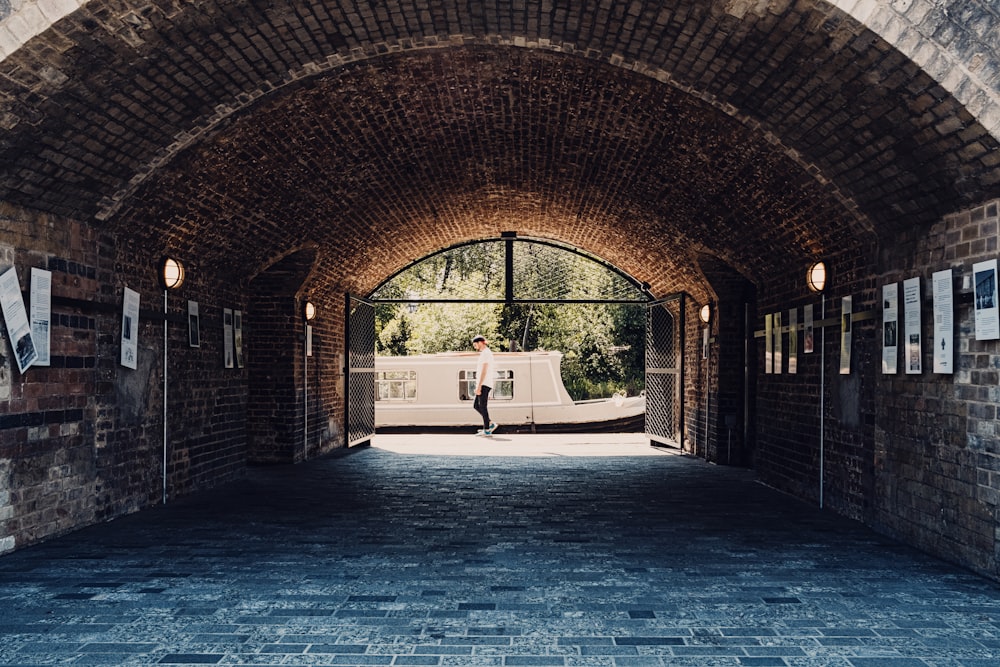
(426, 392)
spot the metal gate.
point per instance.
(507, 271)
(359, 409)
(665, 370)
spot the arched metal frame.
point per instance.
(510, 240)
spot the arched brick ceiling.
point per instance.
(645, 132)
(381, 162)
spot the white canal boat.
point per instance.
(436, 391)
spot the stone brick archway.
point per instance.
(654, 134)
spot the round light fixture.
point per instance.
(816, 277)
(171, 273)
(705, 313)
(310, 311)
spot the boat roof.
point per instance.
(462, 355)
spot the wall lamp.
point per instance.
(309, 311)
(816, 277)
(171, 273)
(705, 313)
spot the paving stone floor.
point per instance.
(522, 551)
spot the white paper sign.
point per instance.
(987, 314)
(238, 336)
(779, 356)
(793, 341)
(16, 319)
(911, 325)
(227, 338)
(130, 329)
(890, 328)
(846, 334)
(309, 340)
(41, 313)
(768, 345)
(944, 323)
(807, 329)
(194, 325)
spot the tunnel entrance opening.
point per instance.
(529, 297)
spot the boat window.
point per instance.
(396, 385)
(503, 386)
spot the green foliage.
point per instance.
(603, 344)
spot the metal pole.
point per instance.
(708, 390)
(305, 397)
(747, 329)
(822, 392)
(165, 397)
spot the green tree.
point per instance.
(603, 344)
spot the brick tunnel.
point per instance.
(292, 152)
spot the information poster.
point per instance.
(890, 328)
(130, 329)
(309, 340)
(41, 313)
(911, 325)
(238, 336)
(227, 337)
(807, 329)
(793, 341)
(779, 360)
(987, 313)
(194, 325)
(944, 323)
(768, 349)
(846, 333)
(16, 319)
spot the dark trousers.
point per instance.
(481, 404)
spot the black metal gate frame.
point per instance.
(360, 366)
(359, 369)
(665, 365)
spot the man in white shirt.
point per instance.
(484, 383)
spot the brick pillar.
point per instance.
(731, 388)
(274, 333)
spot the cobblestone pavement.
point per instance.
(537, 551)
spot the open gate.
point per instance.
(359, 408)
(523, 271)
(665, 370)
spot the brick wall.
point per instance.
(788, 407)
(937, 451)
(48, 479)
(82, 439)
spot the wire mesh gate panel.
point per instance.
(360, 400)
(664, 370)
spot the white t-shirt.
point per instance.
(484, 369)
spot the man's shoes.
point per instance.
(481, 431)
(489, 431)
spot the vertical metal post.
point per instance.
(708, 388)
(305, 394)
(347, 370)
(822, 391)
(165, 396)
(509, 270)
(747, 334)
